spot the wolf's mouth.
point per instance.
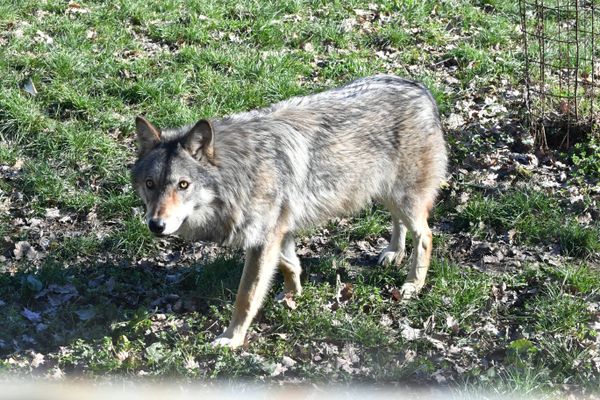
(162, 234)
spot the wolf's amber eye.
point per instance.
(183, 184)
(149, 183)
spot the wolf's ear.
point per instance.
(148, 135)
(199, 141)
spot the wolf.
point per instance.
(251, 180)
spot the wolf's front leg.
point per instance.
(259, 268)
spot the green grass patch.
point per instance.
(109, 298)
(532, 217)
(453, 291)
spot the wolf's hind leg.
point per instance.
(289, 265)
(422, 246)
(394, 252)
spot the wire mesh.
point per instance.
(561, 42)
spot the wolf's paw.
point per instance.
(287, 293)
(292, 288)
(390, 257)
(409, 291)
(222, 341)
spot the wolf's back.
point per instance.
(374, 138)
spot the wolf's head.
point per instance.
(175, 175)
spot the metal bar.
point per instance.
(560, 50)
(523, 11)
(558, 96)
(590, 32)
(549, 38)
(566, 35)
(576, 58)
(592, 96)
(584, 6)
(536, 4)
(566, 137)
(542, 51)
(555, 67)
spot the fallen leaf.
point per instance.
(429, 324)
(408, 332)
(38, 359)
(29, 87)
(409, 356)
(344, 365)
(191, 364)
(439, 377)
(455, 121)
(510, 235)
(122, 355)
(154, 352)
(86, 314)
(56, 373)
(347, 25)
(76, 8)
(288, 301)
(452, 323)
(278, 370)
(52, 213)
(346, 292)
(288, 362)
(308, 47)
(33, 283)
(385, 320)
(31, 315)
(61, 294)
(24, 249)
(41, 37)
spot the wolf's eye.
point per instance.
(183, 184)
(149, 183)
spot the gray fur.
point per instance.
(320, 156)
(304, 160)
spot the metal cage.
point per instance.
(561, 44)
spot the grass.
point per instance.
(532, 217)
(125, 338)
(120, 331)
(112, 300)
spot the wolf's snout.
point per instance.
(157, 225)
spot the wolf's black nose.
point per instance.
(156, 225)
